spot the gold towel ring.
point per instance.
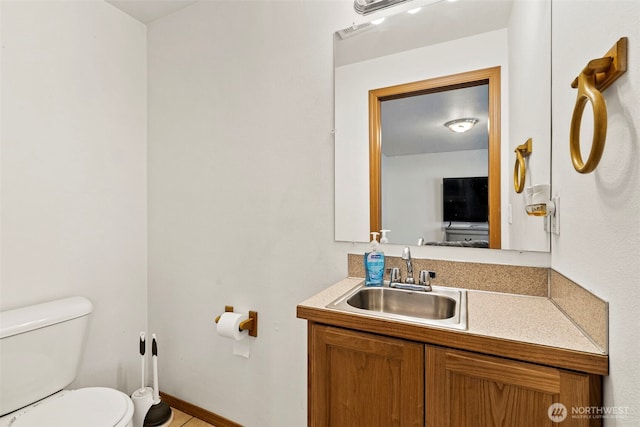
(520, 168)
(597, 76)
(587, 92)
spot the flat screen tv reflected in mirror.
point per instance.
(465, 199)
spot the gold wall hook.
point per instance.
(597, 76)
(520, 168)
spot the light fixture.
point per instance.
(365, 7)
(461, 125)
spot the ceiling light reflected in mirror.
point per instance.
(461, 125)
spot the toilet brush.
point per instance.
(143, 350)
(143, 397)
(159, 412)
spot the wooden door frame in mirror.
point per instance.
(490, 76)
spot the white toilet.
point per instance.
(40, 352)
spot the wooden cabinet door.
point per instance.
(467, 389)
(359, 379)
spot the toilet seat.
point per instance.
(93, 406)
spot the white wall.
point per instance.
(240, 197)
(412, 191)
(73, 172)
(599, 244)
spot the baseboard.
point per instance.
(196, 411)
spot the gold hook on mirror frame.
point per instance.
(597, 76)
(520, 168)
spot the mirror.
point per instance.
(433, 46)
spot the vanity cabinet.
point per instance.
(362, 379)
(366, 379)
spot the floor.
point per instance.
(180, 419)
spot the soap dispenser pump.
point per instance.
(374, 263)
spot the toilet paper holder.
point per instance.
(251, 324)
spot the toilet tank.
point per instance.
(40, 350)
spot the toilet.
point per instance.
(40, 353)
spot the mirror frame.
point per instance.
(490, 76)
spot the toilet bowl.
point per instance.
(85, 407)
(40, 353)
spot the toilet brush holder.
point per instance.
(142, 401)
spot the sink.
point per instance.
(415, 304)
(446, 307)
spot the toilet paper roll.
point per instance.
(229, 327)
(241, 348)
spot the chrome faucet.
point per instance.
(406, 255)
(424, 285)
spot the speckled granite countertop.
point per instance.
(495, 320)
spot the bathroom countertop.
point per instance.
(521, 327)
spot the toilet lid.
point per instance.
(94, 406)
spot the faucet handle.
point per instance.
(426, 276)
(394, 276)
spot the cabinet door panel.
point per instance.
(359, 379)
(467, 389)
(481, 402)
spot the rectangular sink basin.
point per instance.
(445, 307)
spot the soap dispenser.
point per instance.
(374, 263)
